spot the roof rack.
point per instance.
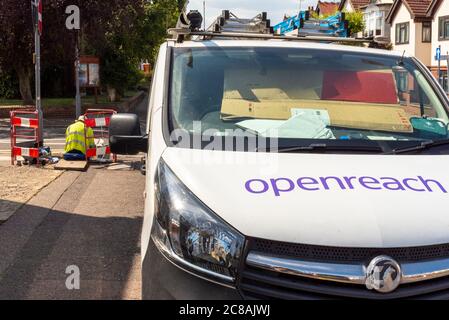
(180, 34)
(229, 26)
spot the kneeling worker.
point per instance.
(78, 138)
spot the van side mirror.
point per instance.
(125, 136)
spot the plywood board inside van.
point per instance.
(367, 116)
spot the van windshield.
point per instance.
(303, 95)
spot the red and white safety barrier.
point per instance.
(98, 152)
(97, 122)
(26, 127)
(26, 152)
(25, 122)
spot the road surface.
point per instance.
(54, 136)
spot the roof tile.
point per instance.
(357, 4)
(327, 8)
(418, 7)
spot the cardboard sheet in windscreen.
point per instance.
(272, 95)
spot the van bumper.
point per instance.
(161, 280)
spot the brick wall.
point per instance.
(434, 71)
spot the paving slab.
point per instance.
(91, 220)
(20, 184)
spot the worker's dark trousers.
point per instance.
(74, 155)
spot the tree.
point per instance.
(160, 16)
(134, 36)
(9, 85)
(356, 22)
(16, 43)
(124, 31)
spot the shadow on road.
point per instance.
(37, 245)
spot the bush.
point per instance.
(9, 86)
(135, 78)
(356, 22)
(118, 73)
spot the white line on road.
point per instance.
(56, 141)
(46, 139)
(53, 151)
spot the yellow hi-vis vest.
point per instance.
(76, 137)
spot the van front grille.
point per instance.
(347, 254)
(256, 282)
(262, 284)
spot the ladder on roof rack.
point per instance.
(303, 24)
(229, 22)
(229, 26)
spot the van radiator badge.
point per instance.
(383, 274)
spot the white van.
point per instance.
(292, 170)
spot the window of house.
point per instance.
(443, 28)
(379, 23)
(368, 17)
(427, 31)
(374, 23)
(402, 33)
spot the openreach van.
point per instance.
(291, 167)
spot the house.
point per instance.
(324, 8)
(438, 10)
(411, 28)
(352, 5)
(374, 12)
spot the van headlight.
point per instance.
(190, 234)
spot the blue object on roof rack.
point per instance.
(335, 25)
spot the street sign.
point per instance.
(442, 57)
(438, 54)
(36, 7)
(39, 17)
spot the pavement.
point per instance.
(20, 184)
(82, 228)
(89, 220)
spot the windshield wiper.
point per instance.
(236, 118)
(422, 146)
(321, 147)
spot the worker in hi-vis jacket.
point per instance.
(78, 139)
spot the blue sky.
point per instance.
(250, 8)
